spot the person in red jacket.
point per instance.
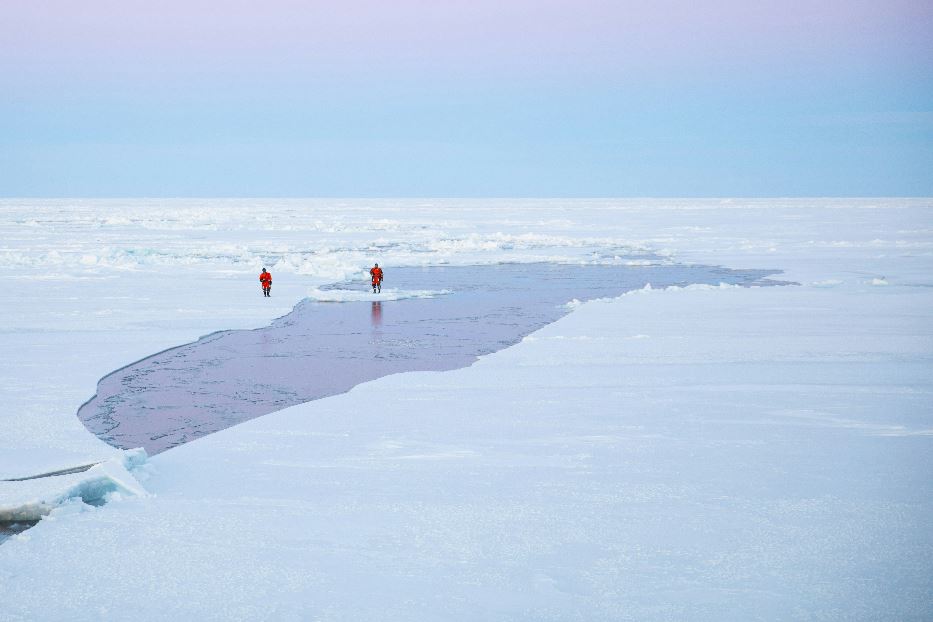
(376, 273)
(265, 279)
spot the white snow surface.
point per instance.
(696, 453)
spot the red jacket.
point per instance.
(266, 279)
(376, 273)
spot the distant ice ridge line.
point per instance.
(412, 245)
(29, 499)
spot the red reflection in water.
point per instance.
(376, 313)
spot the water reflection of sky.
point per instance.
(326, 348)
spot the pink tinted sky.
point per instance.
(105, 38)
(466, 98)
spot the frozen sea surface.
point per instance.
(322, 348)
(689, 453)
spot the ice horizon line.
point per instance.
(469, 197)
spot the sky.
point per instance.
(419, 98)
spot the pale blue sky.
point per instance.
(287, 98)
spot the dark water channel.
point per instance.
(8, 529)
(325, 348)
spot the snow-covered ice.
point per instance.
(720, 453)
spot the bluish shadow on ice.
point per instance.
(325, 348)
(24, 500)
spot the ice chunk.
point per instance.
(31, 499)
